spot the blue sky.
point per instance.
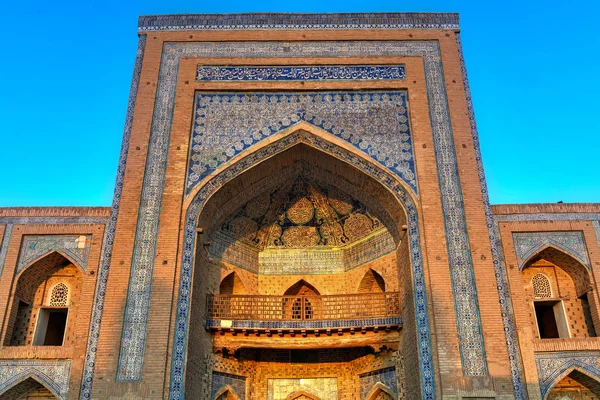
(66, 69)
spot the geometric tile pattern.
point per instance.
(274, 21)
(75, 247)
(530, 243)
(323, 388)
(301, 73)
(385, 178)
(221, 379)
(466, 303)
(385, 376)
(4, 245)
(377, 123)
(508, 320)
(552, 367)
(52, 374)
(109, 232)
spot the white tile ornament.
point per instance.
(54, 375)
(552, 367)
(466, 304)
(527, 244)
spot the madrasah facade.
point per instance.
(300, 212)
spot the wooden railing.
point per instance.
(299, 308)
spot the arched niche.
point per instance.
(232, 284)
(29, 387)
(371, 282)
(560, 290)
(575, 382)
(266, 168)
(34, 318)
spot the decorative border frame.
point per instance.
(395, 186)
(552, 367)
(508, 319)
(300, 73)
(49, 244)
(109, 233)
(277, 21)
(461, 267)
(52, 374)
(550, 238)
(11, 221)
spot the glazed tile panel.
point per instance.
(552, 367)
(76, 247)
(52, 374)
(529, 243)
(225, 124)
(236, 383)
(385, 376)
(302, 73)
(461, 268)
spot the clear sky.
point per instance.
(66, 67)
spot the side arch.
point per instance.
(377, 389)
(38, 377)
(62, 253)
(390, 184)
(550, 244)
(227, 389)
(566, 370)
(302, 394)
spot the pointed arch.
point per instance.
(301, 395)
(578, 272)
(232, 284)
(577, 370)
(372, 282)
(44, 256)
(551, 244)
(302, 288)
(228, 391)
(382, 186)
(377, 391)
(25, 382)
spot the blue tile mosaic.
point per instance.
(528, 244)
(273, 21)
(552, 367)
(33, 247)
(301, 73)
(226, 124)
(52, 374)
(386, 376)
(109, 233)
(236, 383)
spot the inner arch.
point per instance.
(386, 199)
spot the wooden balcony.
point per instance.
(303, 314)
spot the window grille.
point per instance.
(541, 286)
(59, 295)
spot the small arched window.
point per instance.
(59, 295)
(541, 286)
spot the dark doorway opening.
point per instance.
(551, 319)
(51, 326)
